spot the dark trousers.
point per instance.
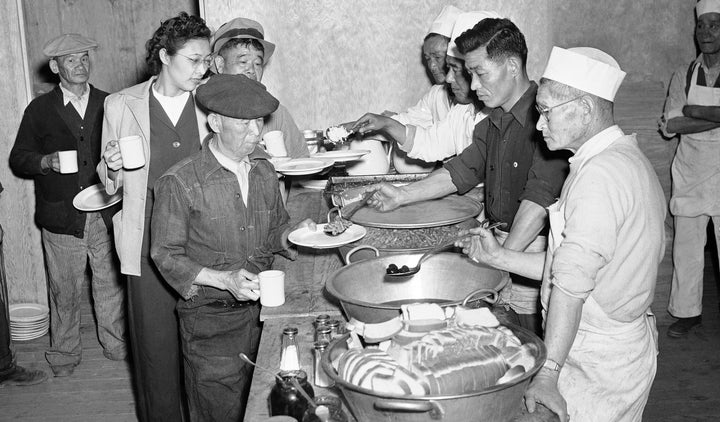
(155, 344)
(6, 356)
(217, 381)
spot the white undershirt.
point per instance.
(241, 169)
(173, 106)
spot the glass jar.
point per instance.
(290, 353)
(323, 333)
(329, 409)
(335, 325)
(285, 398)
(321, 379)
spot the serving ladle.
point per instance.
(404, 271)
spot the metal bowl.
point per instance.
(367, 294)
(501, 403)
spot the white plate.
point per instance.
(303, 166)
(343, 155)
(95, 198)
(320, 240)
(28, 312)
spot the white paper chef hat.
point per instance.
(707, 6)
(444, 22)
(587, 69)
(464, 22)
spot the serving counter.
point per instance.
(305, 298)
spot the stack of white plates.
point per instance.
(28, 321)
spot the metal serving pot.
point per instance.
(499, 403)
(367, 294)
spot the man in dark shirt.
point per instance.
(69, 118)
(522, 177)
(217, 221)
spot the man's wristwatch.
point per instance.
(552, 365)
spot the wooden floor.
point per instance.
(685, 388)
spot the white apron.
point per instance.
(696, 166)
(611, 365)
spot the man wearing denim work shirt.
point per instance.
(217, 221)
(522, 177)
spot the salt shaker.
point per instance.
(290, 354)
(334, 324)
(320, 376)
(323, 333)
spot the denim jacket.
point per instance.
(200, 220)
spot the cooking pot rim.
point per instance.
(534, 339)
(330, 287)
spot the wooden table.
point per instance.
(305, 298)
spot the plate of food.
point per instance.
(341, 156)
(303, 166)
(95, 198)
(320, 239)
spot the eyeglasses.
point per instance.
(197, 61)
(545, 112)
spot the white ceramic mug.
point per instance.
(131, 150)
(272, 287)
(68, 161)
(275, 143)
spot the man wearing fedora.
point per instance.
(240, 48)
(69, 118)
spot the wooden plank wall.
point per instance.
(121, 27)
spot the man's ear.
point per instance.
(54, 66)
(514, 65)
(220, 64)
(214, 122)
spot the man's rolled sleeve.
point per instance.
(592, 217)
(467, 169)
(170, 219)
(675, 101)
(546, 177)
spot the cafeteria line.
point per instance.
(503, 273)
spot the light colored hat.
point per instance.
(444, 22)
(707, 6)
(463, 23)
(587, 69)
(68, 44)
(241, 28)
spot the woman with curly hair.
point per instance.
(162, 112)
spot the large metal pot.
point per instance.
(500, 403)
(367, 294)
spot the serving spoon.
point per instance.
(404, 271)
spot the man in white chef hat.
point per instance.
(692, 110)
(606, 241)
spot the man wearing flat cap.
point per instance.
(606, 241)
(240, 48)
(69, 118)
(222, 220)
(692, 110)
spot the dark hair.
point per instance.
(172, 36)
(240, 42)
(500, 37)
(435, 34)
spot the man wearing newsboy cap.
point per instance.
(222, 219)
(240, 48)
(69, 118)
(606, 240)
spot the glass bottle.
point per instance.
(334, 324)
(319, 375)
(321, 320)
(290, 354)
(329, 409)
(285, 398)
(323, 333)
